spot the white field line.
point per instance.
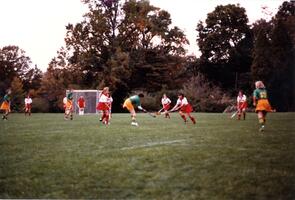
(151, 144)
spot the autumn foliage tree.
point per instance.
(124, 45)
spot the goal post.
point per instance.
(91, 98)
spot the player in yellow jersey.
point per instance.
(260, 100)
(5, 106)
(69, 106)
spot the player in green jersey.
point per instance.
(130, 103)
(260, 100)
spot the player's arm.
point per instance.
(176, 107)
(140, 108)
(254, 101)
(255, 98)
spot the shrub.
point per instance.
(40, 105)
(204, 96)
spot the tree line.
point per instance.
(132, 46)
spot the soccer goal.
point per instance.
(91, 98)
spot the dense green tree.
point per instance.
(286, 14)
(225, 42)
(274, 56)
(261, 67)
(282, 58)
(123, 45)
(284, 52)
(13, 63)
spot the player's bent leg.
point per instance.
(183, 116)
(167, 114)
(239, 114)
(106, 119)
(261, 119)
(192, 118)
(244, 114)
(133, 118)
(6, 115)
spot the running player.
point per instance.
(184, 108)
(241, 105)
(260, 100)
(5, 106)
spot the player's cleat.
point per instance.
(261, 128)
(134, 124)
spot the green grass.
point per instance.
(219, 158)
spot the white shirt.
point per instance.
(103, 98)
(165, 101)
(110, 99)
(28, 101)
(65, 99)
(241, 99)
(182, 102)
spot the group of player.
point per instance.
(181, 105)
(132, 103)
(5, 106)
(260, 101)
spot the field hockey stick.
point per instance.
(234, 114)
(168, 111)
(145, 111)
(174, 109)
(160, 110)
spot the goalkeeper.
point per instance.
(130, 103)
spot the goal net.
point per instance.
(90, 97)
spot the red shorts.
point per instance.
(102, 106)
(28, 106)
(81, 105)
(166, 107)
(186, 109)
(242, 105)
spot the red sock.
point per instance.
(193, 120)
(103, 116)
(183, 117)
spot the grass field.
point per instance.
(44, 156)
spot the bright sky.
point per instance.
(38, 26)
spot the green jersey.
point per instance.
(70, 96)
(135, 100)
(260, 93)
(6, 98)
